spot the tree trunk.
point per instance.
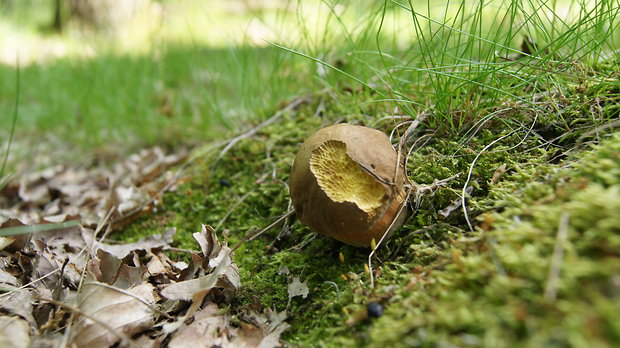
(57, 23)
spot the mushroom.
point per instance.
(347, 183)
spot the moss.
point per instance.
(439, 282)
(488, 289)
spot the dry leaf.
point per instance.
(14, 332)
(105, 313)
(204, 331)
(297, 288)
(271, 325)
(16, 242)
(186, 290)
(207, 239)
(150, 242)
(19, 302)
(120, 311)
(90, 193)
(212, 329)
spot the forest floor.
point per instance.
(154, 248)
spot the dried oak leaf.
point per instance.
(19, 302)
(216, 270)
(205, 331)
(266, 331)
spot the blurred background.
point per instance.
(116, 75)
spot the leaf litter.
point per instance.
(129, 189)
(64, 285)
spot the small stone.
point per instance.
(225, 182)
(375, 310)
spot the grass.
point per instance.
(532, 85)
(142, 100)
(4, 178)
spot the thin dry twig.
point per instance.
(233, 207)
(8, 293)
(252, 131)
(385, 234)
(256, 233)
(410, 187)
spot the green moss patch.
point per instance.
(438, 281)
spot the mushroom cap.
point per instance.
(345, 184)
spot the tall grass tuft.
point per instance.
(458, 60)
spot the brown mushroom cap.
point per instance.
(344, 183)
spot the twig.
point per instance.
(292, 105)
(390, 117)
(551, 288)
(375, 175)
(454, 206)
(410, 187)
(234, 206)
(8, 293)
(611, 124)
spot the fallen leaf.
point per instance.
(16, 242)
(297, 288)
(185, 290)
(207, 239)
(204, 331)
(120, 311)
(19, 302)
(150, 242)
(129, 186)
(14, 332)
(212, 329)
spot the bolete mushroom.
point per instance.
(346, 183)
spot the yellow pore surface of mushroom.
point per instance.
(344, 180)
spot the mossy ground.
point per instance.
(439, 282)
